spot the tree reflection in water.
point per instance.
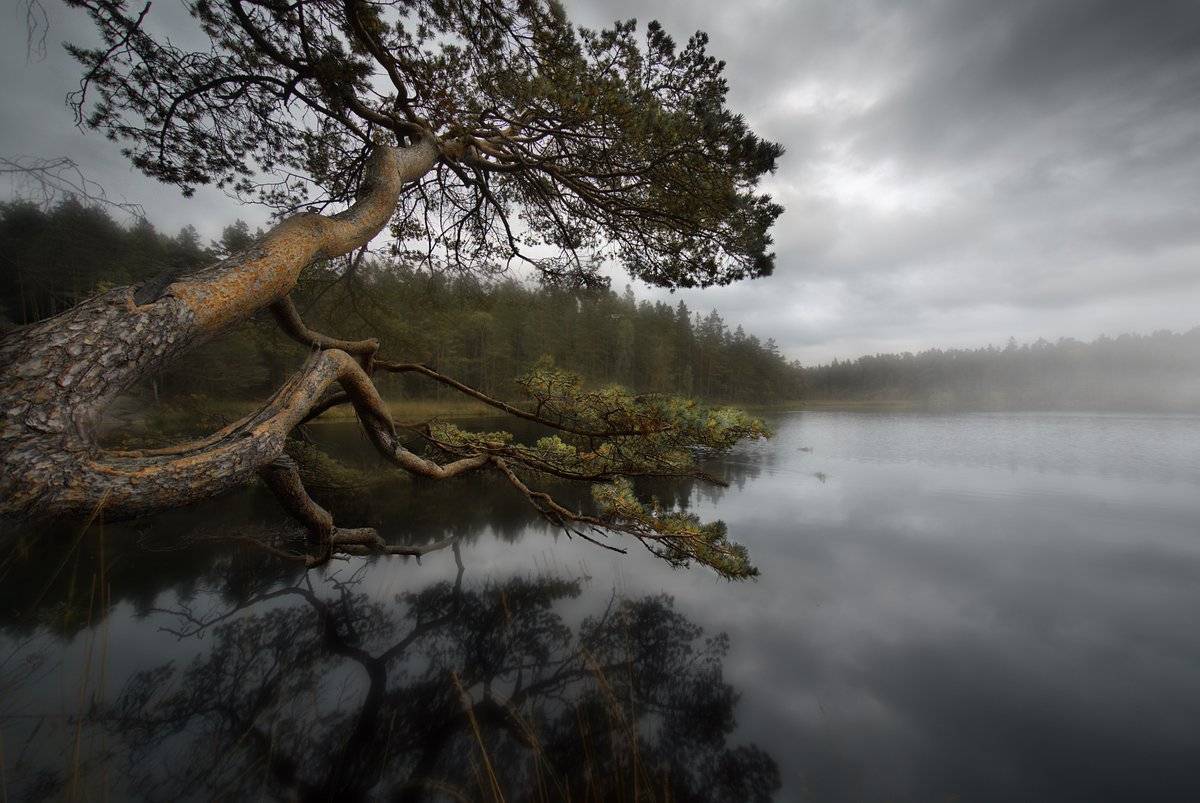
(448, 693)
(304, 686)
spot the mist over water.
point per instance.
(1157, 372)
(990, 606)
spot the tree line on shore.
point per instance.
(486, 332)
(1155, 372)
(483, 332)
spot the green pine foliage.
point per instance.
(608, 436)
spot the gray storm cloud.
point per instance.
(957, 171)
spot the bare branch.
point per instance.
(48, 181)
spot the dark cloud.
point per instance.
(958, 171)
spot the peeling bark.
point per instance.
(57, 376)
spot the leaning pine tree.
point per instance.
(482, 132)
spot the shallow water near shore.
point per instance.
(958, 606)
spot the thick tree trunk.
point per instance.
(58, 376)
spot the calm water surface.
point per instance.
(952, 607)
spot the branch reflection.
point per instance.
(449, 693)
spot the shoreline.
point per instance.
(189, 417)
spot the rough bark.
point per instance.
(57, 376)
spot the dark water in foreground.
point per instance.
(970, 607)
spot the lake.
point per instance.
(951, 607)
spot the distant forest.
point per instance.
(1157, 372)
(487, 332)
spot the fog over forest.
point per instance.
(486, 333)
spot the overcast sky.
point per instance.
(957, 172)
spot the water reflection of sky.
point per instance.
(993, 607)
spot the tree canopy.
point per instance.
(558, 146)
